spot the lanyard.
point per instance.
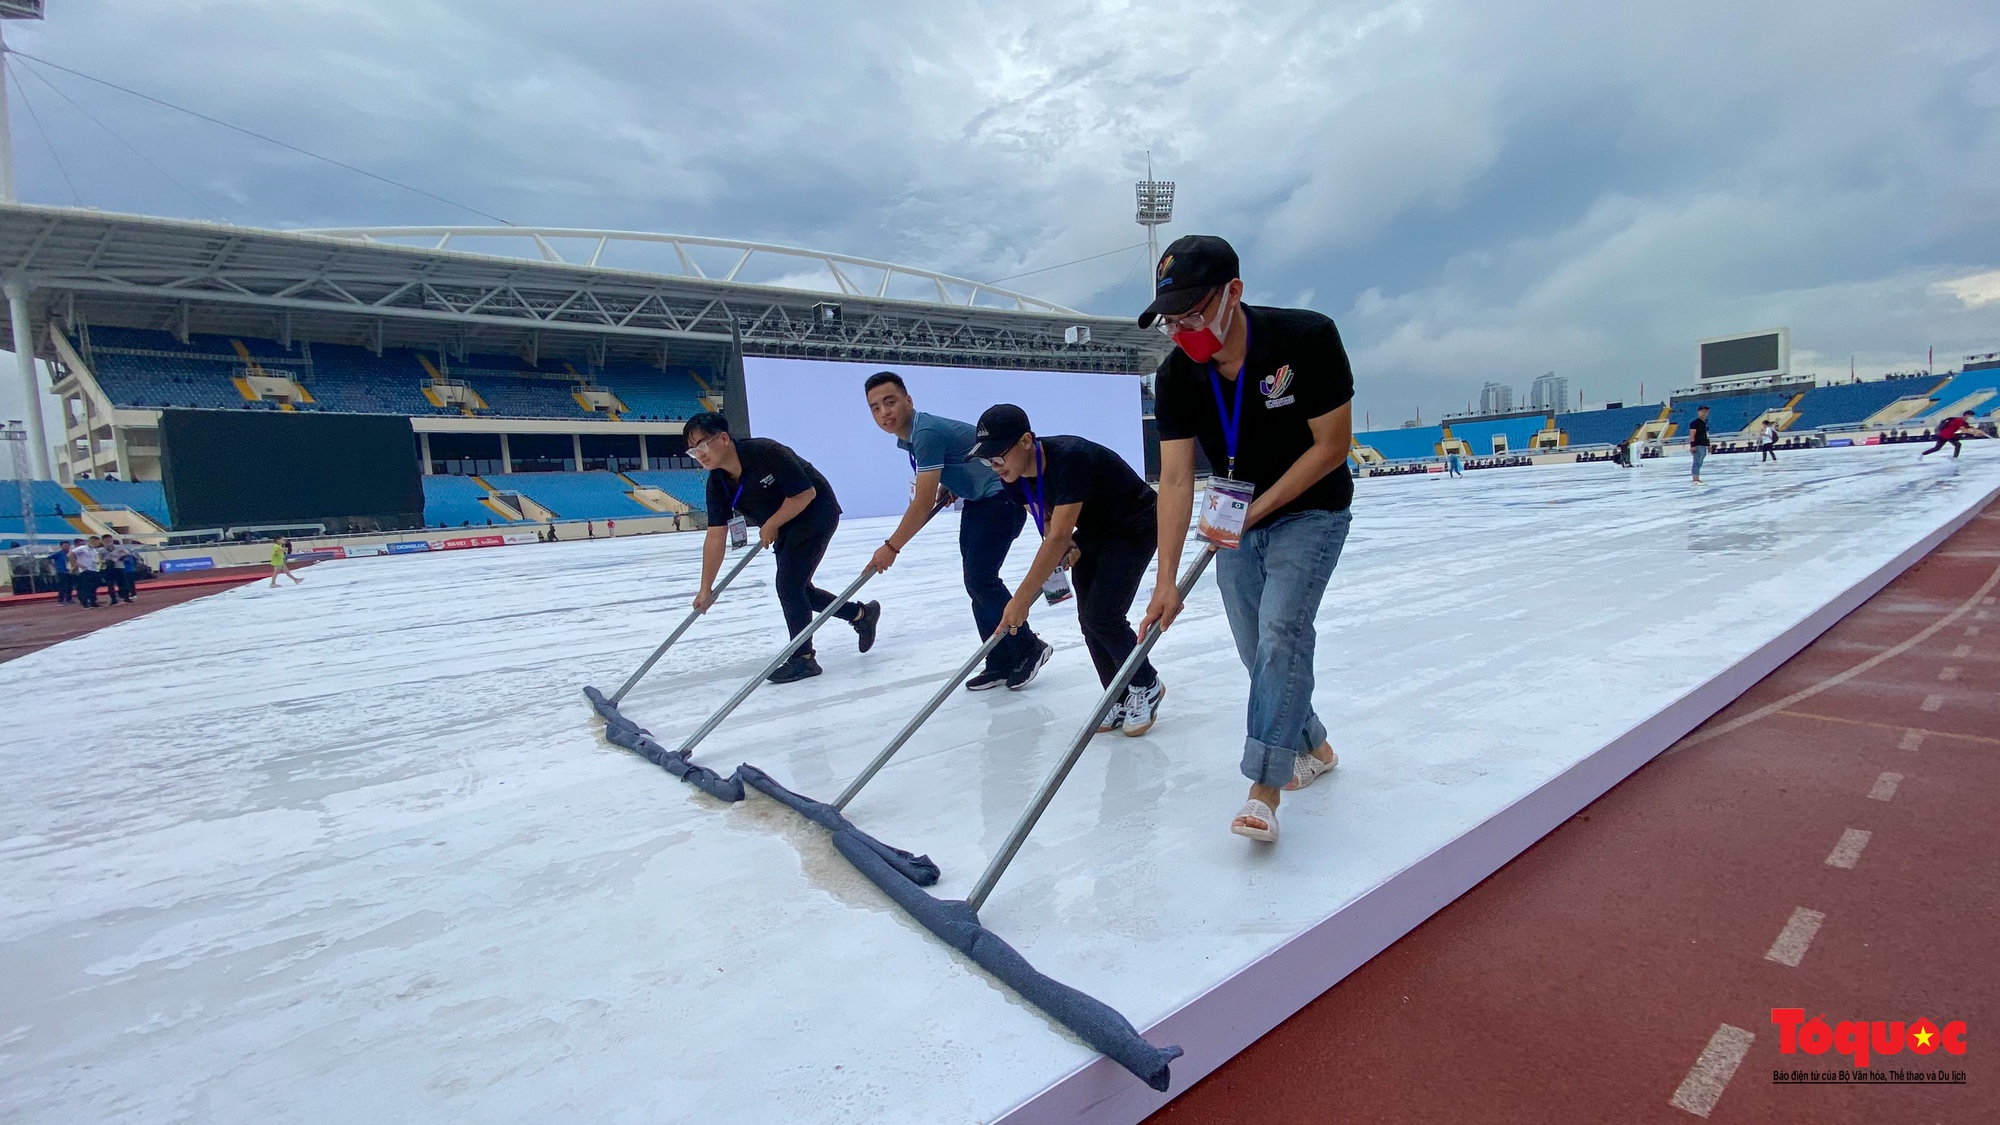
(1231, 421)
(1035, 502)
(736, 502)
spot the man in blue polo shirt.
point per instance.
(940, 451)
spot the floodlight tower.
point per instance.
(17, 297)
(1156, 208)
(10, 10)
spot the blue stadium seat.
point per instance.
(1967, 383)
(689, 486)
(1478, 436)
(652, 395)
(527, 397)
(143, 496)
(1605, 427)
(1727, 414)
(593, 495)
(1399, 445)
(454, 501)
(1848, 404)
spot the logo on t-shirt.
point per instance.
(1274, 385)
(769, 478)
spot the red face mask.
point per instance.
(1202, 343)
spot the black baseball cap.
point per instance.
(999, 428)
(1192, 267)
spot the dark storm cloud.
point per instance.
(1473, 190)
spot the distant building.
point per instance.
(1549, 392)
(1496, 398)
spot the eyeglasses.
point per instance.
(704, 443)
(993, 462)
(1186, 322)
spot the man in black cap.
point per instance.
(1082, 496)
(795, 511)
(1268, 393)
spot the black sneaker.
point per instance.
(987, 680)
(797, 668)
(864, 625)
(1025, 674)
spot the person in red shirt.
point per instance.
(1952, 430)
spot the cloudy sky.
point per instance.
(1473, 191)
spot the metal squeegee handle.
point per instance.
(910, 728)
(1047, 792)
(693, 616)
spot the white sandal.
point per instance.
(1254, 809)
(1306, 769)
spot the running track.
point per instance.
(1625, 967)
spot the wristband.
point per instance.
(893, 549)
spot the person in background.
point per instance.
(128, 578)
(796, 514)
(1282, 446)
(1698, 440)
(280, 564)
(1455, 465)
(940, 454)
(60, 561)
(1768, 443)
(111, 566)
(1081, 495)
(1952, 431)
(83, 564)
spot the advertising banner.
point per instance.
(408, 548)
(175, 566)
(514, 538)
(364, 552)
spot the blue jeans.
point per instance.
(1271, 588)
(1700, 454)
(986, 530)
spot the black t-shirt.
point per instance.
(1297, 370)
(1700, 431)
(1116, 503)
(772, 474)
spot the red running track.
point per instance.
(1586, 980)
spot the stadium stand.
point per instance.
(152, 370)
(455, 501)
(651, 395)
(1727, 414)
(1605, 427)
(1964, 392)
(1400, 445)
(689, 486)
(145, 497)
(1850, 403)
(593, 495)
(1478, 436)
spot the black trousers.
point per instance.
(986, 530)
(799, 551)
(65, 589)
(1941, 444)
(128, 583)
(1107, 578)
(1769, 452)
(110, 579)
(86, 587)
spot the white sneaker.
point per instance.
(1141, 706)
(1113, 719)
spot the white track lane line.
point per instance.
(1961, 651)
(1933, 702)
(1885, 787)
(1912, 740)
(1703, 1086)
(1948, 673)
(1848, 851)
(1795, 938)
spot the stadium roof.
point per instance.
(94, 267)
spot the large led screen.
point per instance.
(819, 409)
(351, 472)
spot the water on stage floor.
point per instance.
(356, 851)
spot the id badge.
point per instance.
(739, 532)
(1225, 504)
(1056, 589)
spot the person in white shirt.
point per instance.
(83, 560)
(1769, 439)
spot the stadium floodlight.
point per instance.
(1077, 334)
(1156, 209)
(826, 314)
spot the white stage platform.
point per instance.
(356, 851)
